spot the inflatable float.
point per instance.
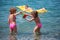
(42, 10)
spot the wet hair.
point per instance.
(34, 13)
(26, 5)
(12, 10)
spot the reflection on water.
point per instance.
(37, 36)
(12, 37)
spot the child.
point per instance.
(12, 20)
(28, 9)
(34, 15)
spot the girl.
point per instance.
(12, 20)
(34, 15)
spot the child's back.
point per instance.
(37, 20)
(12, 18)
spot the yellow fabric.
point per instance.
(41, 11)
(23, 8)
(30, 10)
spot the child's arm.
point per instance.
(25, 15)
(18, 13)
(30, 19)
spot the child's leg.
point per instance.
(15, 29)
(36, 29)
(36, 33)
(11, 31)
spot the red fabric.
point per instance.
(25, 16)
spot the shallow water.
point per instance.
(50, 20)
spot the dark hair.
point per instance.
(26, 5)
(35, 13)
(12, 10)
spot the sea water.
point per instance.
(50, 21)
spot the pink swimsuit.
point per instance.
(39, 25)
(12, 26)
